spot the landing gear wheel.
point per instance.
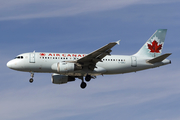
(88, 78)
(83, 85)
(31, 80)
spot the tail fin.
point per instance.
(153, 47)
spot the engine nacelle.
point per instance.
(61, 79)
(65, 67)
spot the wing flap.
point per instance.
(159, 58)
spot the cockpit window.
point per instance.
(19, 57)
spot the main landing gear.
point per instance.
(83, 85)
(87, 78)
(31, 79)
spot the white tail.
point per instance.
(153, 47)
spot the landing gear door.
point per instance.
(133, 61)
(32, 57)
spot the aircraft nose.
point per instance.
(9, 64)
(12, 64)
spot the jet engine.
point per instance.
(65, 67)
(61, 79)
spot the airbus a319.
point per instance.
(66, 67)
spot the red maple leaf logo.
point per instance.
(42, 54)
(155, 48)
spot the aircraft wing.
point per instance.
(91, 59)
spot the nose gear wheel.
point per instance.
(31, 79)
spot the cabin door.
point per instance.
(32, 57)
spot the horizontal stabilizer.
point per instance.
(159, 58)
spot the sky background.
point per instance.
(78, 26)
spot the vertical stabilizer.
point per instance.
(153, 47)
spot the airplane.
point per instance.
(66, 67)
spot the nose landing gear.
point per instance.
(31, 79)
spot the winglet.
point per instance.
(118, 42)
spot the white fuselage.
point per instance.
(111, 64)
(68, 66)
